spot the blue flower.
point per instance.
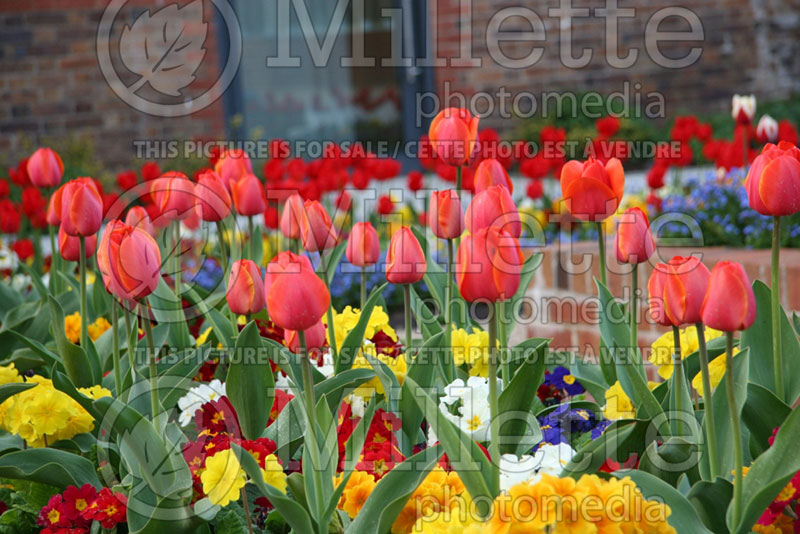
(563, 379)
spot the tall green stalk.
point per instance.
(251, 249)
(176, 262)
(500, 308)
(115, 345)
(407, 312)
(708, 405)
(223, 252)
(450, 290)
(736, 430)
(311, 409)
(677, 380)
(151, 359)
(601, 247)
(84, 316)
(777, 364)
(54, 260)
(331, 328)
(494, 400)
(363, 287)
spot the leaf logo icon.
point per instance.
(165, 48)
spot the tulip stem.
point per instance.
(634, 317)
(176, 263)
(707, 402)
(777, 364)
(503, 357)
(458, 182)
(311, 410)
(222, 248)
(449, 288)
(737, 438)
(151, 359)
(55, 282)
(677, 380)
(115, 345)
(246, 508)
(84, 317)
(494, 400)
(363, 286)
(601, 245)
(251, 240)
(407, 310)
(331, 326)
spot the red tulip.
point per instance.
(773, 182)
(174, 196)
(494, 207)
(45, 168)
(293, 212)
(491, 172)
(488, 265)
(296, 297)
(233, 165)
(245, 294)
(315, 338)
(454, 135)
(212, 197)
(316, 230)
(655, 295)
(444, 214)
(592, 191)
(81, 207)
(248, 195)
(129, 260)
(684, 290)
(729, 303)
(405, 261)
(138, 216)
(634, 242)
(54, 207)
(70, 246)
(363, 245)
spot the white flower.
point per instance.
(743, 105)
(282, 382)
(20, 282)
(473, 413)
(326, 368)
(196, 397)
(8, 258)
(767, 128)
(357, 405)
(550, 459)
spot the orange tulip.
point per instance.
(45, 168)
(213, 198)
(138, 216)
(491, 172)
(488, 265)
(81, 207)
(729, 303)
(232, 165)
(129, 260)
(316, 230)
(634, 242)
(293, 211)
(454, 135)
(174, 196)
(296, 297)
(444, 214)
(248, 195)
(684, 290)
(54, 207)
(405, 261)
(494, 207)
(70, 246)
(655, 295)
(773, 182)
(363, 245)
(245, 294)
(315, 338)
(591, 191)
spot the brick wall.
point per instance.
(51, 85)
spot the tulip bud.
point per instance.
(405, 261)
(491, 172)
(315, 338)
(743, 108)
(248, 195)
(684, 290)
(296, 297)
(316, 230)
(138, 216)
(444, 214)
(767, 129)
(773, 182)
(245, 294)
(454, 134)
(213, 198)
(655, 295)
(488, 267)
(174, 196)
(54, 207)
(592, 191)
(81, 210)
(494, 207)
(233, 165)
(129, 260)
(634, 242)
(70, 246)
(729, 303)
(45, 168)
(293, 212)
(363, 245)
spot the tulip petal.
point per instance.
(779, 187)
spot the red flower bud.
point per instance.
(245, 292)
(296, 297)
(405, 261)
(129, 260)
(634, 242)
(684, 290)
(491, 172)
(488, 265)
(592, 191)
(773, 182)
(363, 245)
(445, 216)
(248, 195)
(212, 197)
(729, 303)
(293, 211)
(174, 196)
(81, 209)
(70, 246)
(138, 216)
(45, 168)
(454, 135)
(316, 230)
(494, 207)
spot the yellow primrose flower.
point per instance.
(618, 405)
(397, 365)
(72, 327)
(223, 478)
(716, 371)
(9, 374)
(471, 349)
(203, 337)
(358, 489)
(98, 328)
(664, 346)
(346, 320)
(273, 473)
(439, 490)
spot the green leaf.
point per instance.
(529, 268)
(425, 318)
(250, 384)
(590, 376)
(333, 259)
(594, 454)
(421, 369)
(11, 389)
(708, 498)
(75, 360)
(355, 338)
(9, 299)
(762, 413)
(671, 459)
(164, 305)
(49, 466)
(684, 517)
(722, 418)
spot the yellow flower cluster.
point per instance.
(618, 405)
(346, 320)
(716, 371)
(43, 414)
(471, 349)
(397, 365)
(223, 476)
(358, 489)
(72, 327)
(663, 347)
